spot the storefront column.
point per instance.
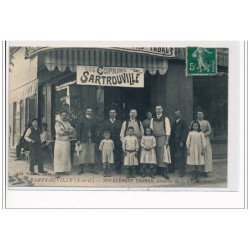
(179, 92)
(48, 105)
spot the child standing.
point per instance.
(130, 148)
(196, 145)
(148, 156)
(46, 143)
(107, 148)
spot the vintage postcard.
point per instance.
(118, 116)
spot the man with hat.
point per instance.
(138, 130)
(160, 125)
(114, 125)
(33, 137)
(178, 143)
(86, 132)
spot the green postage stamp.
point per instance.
(201, 61)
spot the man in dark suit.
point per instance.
(32, 136)
(86, 139)
(114, 125)
(178, 142)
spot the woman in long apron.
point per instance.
(62, 159)
(206, 129)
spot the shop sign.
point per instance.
(110, 76)
(157, 51)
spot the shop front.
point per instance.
(164, 82)
(60, 78)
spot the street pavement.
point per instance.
(19, 176)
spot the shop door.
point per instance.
(139, 99)
(127, 99)
(124, 99)
(30, 108)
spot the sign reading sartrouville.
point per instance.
(110, 76)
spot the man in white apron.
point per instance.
(161, 130)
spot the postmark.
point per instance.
(201, 61)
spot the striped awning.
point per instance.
(63, 58)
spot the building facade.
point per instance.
(43, 82)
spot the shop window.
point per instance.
(211, 95)
(22, 118)
(14, 122)
(30, 108)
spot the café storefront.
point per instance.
(161, 79)
(58, 82)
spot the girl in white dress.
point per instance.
(148, 155)
(130, 148)
(107, 148)
(196, 145)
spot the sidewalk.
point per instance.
(19, 177)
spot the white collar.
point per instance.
(132, 120)
(112, 120)
(88, 116)
(159, 116)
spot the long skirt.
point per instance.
(208, 156)
(62, 160)
(87, 154)
(148, 157)
(162, 152)
(130, 159)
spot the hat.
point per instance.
(34, 119)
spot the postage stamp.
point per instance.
(201, 61)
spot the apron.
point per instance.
(162, 151)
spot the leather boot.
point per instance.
(157, 170)
(105, 171)
(133, 172)
(196, 174)
(182, 172)
(143, 172)
(118, 168)
(128, 172)
(138, 169)
(165, 173)
(94, 169)
(109, 170)
(80, 169)
(152, 173)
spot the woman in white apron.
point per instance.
(62, 160)
(206, 129)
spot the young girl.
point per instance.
(107, 148)
(148, 156)
(196, 145)
(130, 148)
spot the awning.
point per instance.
(63, 58)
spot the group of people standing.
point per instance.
(138, 146)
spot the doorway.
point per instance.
(124, 99)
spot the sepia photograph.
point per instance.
(117, 116)
(124, 119)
